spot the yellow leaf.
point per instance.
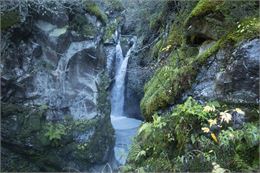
(224, 116)
(212, 122)
(214, 137)
(209, 109)
(205, 129)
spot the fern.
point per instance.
(55, 131)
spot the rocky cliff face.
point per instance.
(140, 67)
(231, 75)
(55, 106)
(201, 102)
(57, 68)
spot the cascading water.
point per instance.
(125, 128)
(117, 96)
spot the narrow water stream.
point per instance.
(125, 128)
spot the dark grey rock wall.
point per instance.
(231, 75)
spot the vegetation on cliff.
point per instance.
(178, 42)
(41, 136)
(180, 55)
(217, 135)
(193, 135)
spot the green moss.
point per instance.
(175, 37)
(171, 80)
(115, 5)
(204, 7)
(156, 49)
(88, 30)
(156, 21)
(80, 24)
(246, 29)
(94, 9)
(110, 30)
(214, 19)
(9, 19)
(164, 87)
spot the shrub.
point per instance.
(54, 132)
(193, 135)
(94, 9)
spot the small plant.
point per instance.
(194, 134)
(93, 9)
(54, 132)
(82, 146)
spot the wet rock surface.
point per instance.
(51, 96)
(230, 75)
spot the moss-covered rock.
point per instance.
(156, 22)
(183, 64)
(210, 20)
(9, 19)
(171, 80)
(184, 139)
(204, 7)
(92, 8)
(27, 133)
(156, 49)
(81, 25)
(114, 5)
(109, 31)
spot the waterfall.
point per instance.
(117, 96)
(125, 128)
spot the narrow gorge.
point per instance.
(130, 86)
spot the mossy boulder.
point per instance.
(171, 80)
(210, 20)
(9, 19)
(110, 29)
(114, 5)
(53, 145)
(92, 8)
(183, 63)
(227, 79)
(81, 24)
(156, 49)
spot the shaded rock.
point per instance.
(58, 17)
(37, 51)
(230, 75)
(136, 77)
(201, 30)
(50, 86)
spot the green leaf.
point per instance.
(193, 139)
